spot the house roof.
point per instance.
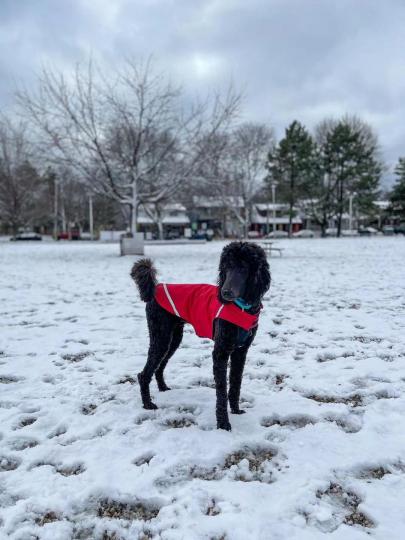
(217, 202)
(167, 220)
(270, 206)
(281, 220)
(179, 216)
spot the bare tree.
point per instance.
(132, 137)
(251, 143)
(234, 168)
(20, 183)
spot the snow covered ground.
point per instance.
(319, 454)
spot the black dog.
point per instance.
(244, 278)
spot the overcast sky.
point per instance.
(303, 59)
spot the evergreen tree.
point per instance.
(397, 195)
(350, 159)
(292, 164)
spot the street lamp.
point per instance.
(273, 200)
(91, 226)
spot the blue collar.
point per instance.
(242, 304)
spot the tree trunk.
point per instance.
(340, 200)
(340, 210)
(134, 209)
(292, 185)
(160, 227)
(324, 226)
(247, 222)
(14, 226)
(290, 219)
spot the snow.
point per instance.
(320, 452)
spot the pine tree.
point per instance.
(397, 195)
(350, 158)
(291, 164)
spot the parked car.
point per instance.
(27, 236)
(400, 229)
(331, 231)
(304, 233)
(74, 234)
(254, 234)
(277, 234)
(367, 231)
(173, 235)
(388, 230)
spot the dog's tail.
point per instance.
(144, 274)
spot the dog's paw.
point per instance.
(150, 406)
(163, 387)
(226, 425)
(237, 411)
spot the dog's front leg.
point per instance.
(238, 359)
(220, 357)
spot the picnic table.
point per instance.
(268, 246)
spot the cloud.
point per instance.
(304, 59)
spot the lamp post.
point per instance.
(91, 217)
(273, 200)
(55, 209)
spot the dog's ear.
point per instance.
(224, 263)
(261, 279)
(263, 276)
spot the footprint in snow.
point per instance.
(179, 422)
(88, 409)
(144, 459)
(9, 379)
(378, 472)
(70, 470)
(9, 463)
(77, 357)
(137, 510)
(353, 400)
(248, 464)
(344, 509)
(22, 444)
(293, 422)
(351, 423)
(60, 430)
(26, 421)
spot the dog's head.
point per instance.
(243, 273)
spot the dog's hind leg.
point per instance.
(174, 345)
(161, 326)
(157, 351)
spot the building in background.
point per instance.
(223, 216)
(268, 217)
(172, 218)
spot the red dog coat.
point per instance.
(199, 305)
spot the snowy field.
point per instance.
(319, 454)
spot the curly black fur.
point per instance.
(253, 256)
(166, 330)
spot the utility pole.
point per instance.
(273, 199)
(134, 208)
(91, 217)
(55, 209)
